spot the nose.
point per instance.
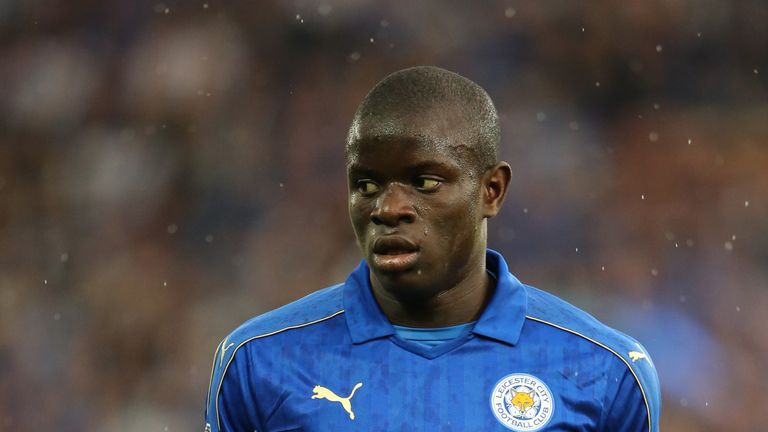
(393, 207)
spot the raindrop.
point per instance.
(656, 106)
(738, 308)
(509, 12)
(384, 23)
(371, 39)
(746, 203)
(45, 281)
(56, 316)
(689, 141)
(541, 116)
(728, 246)
(653, 136)
(172, 228)
(573, 125)
(602, 268)
(659, 48)
(525, 210)
(209, 238)
(165, 283)
(64, 257)
(755, 71)
(683, 299)
(597, 83)
(654, 272)
(642, 197)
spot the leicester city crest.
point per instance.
(522, 402)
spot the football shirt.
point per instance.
(333, 362)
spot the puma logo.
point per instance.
(224, 348)
(637, 355)
(522, 400)
(321, 392)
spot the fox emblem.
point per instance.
(522, 400)
(320, 392)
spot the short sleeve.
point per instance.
(633, 400)
(232, 405)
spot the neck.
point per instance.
(461, 303)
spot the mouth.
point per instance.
(394, 254)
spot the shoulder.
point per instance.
(299, 316)
(553, 311)
(312, 309)
(547, 309)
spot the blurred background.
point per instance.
(170, 169)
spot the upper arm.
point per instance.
(633, 400)
(232, 404)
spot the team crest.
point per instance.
(522, 402)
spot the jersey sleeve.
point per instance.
(633, 399)
(232, 405)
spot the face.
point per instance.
(418, 211)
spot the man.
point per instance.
(431, 331)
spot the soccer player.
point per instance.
(430, 332)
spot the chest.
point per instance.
(478, 386)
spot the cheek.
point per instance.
(358, 215)
(454, 223)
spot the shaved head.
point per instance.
(430, 103)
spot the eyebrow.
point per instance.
(357, 168)
(421, 166)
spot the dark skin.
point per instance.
(419, 206)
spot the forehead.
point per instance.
(416, 136)
(392, 151)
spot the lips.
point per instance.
(394, 254)
(393, 245)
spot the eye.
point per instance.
(367, 187)
(427, 184)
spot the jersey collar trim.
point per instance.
(365, 319)
(502, 319)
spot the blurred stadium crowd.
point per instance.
(170, 169)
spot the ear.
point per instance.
(495, 185)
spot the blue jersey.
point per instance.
(333, 362)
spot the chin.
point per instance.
(407, 286)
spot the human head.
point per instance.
(444, 99)
(423, 178)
